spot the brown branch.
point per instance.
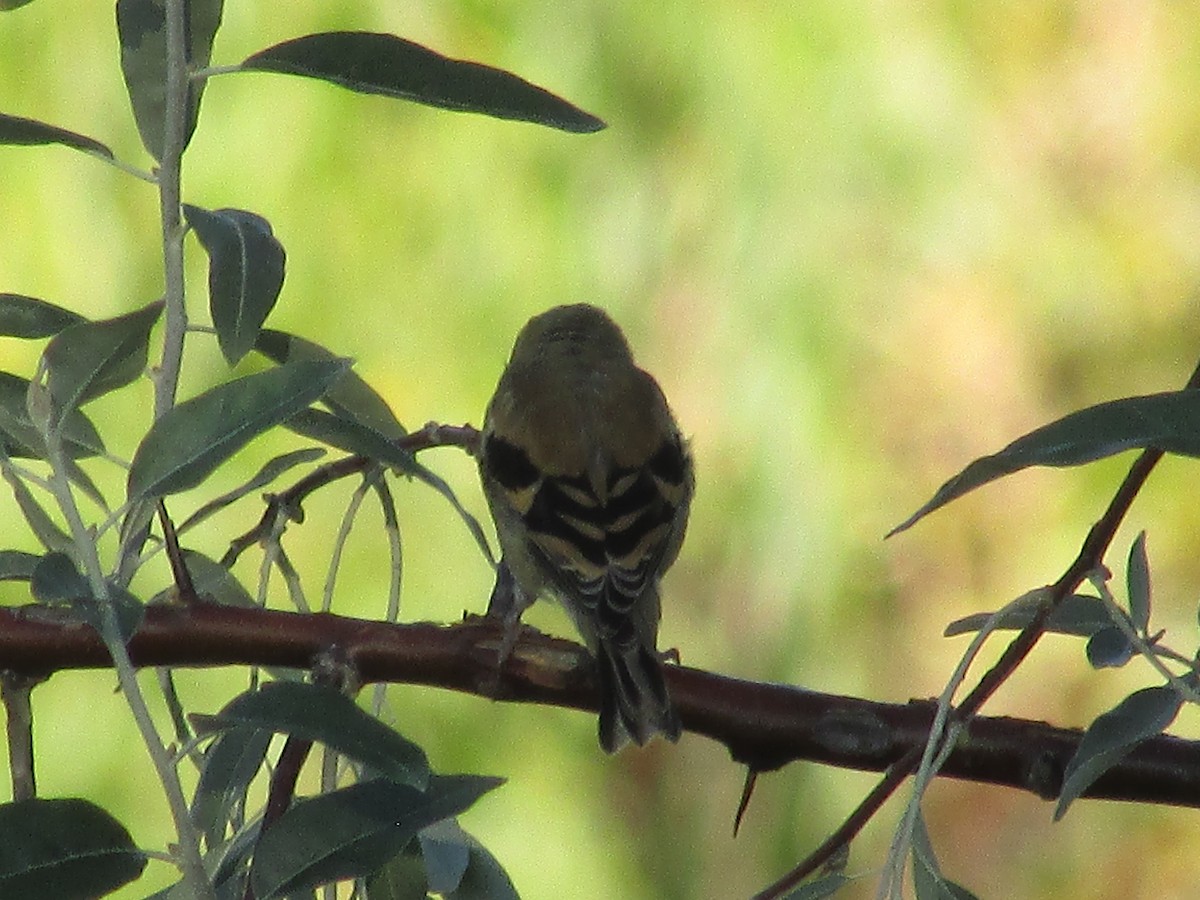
(764, 725)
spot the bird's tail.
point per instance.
(634, 704)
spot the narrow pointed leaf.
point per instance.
(230, 764)
(1138, 581)
(89, 359)
(43, 527)
(1169, 422)
(1141, 715)
(348, 435)
(1077, 614)
(184, 446)
(388, 65)
(16, 130)
(245, 274)
(270, 471)
(352, 832)
(28, 317)
(142, 27)
(328, 717)
(65, 849)
(17, 565)
(928, 881)
(21, 438)
(351, 397)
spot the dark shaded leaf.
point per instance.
(819, 888)
(56, 580)
(1108, 648)
(401, 878)
(1077, 614)
(928, 881)
(213, 583)
(21, 438)
(328, 717)
(1141, 715)
(388, 65)
(6, 5)
(350, 397)
(142, 27)
(354, 437)
(29, 317)
(352, 832)
(65, 849)
(230, 764)
(348, 435)
(245, 274)
(271, 470)
(184, 446)
(1137, 579)
(43, 527)
(30, 132)
(89, 359)
(446, 852)
(17, 565)
(1169, 422)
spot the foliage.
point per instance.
(386, 808)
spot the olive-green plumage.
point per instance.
(589, 482)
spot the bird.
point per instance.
(589, 482)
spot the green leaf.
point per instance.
(1108, 648)
(43, 527)
(230, 764)
(1137, 578)
(354, 437)
(388, 65)
(819, 888)
(65, 849)
(352, 832)
(401, 878)
(30, 132)
(56, 581)
(245, 274)
(28, 317)
(216, 583)
(1169, 422)
(328, 717)
(350, 397)
(928, 881)
(6, 5)
(185, 445)
(17, 565)
(348, 435)
(142, 28)
(89, 359)
(1077, 614)
(271, 470)
(1141, 715)
(446, 853)
(20, 437)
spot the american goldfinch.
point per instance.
(589, 483)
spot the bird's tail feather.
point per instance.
(634, 704)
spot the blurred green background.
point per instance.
(859, 245)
